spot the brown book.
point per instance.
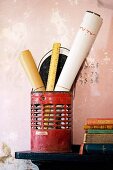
(86, 127)
(98, 138)
(81, 149)
(99, 121)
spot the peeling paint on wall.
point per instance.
(73, 2)
(61, 27)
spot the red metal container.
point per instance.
(51, 121)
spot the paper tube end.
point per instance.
(93, 13)
(25, 52)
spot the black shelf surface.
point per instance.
(70, 157)
(67, 161)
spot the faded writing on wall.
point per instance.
(89, 73)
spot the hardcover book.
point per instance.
(92, 148)
(93, 131)
(98, 138)
(86, 127)
(99, 121)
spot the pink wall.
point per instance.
(35, 25)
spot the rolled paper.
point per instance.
(80, 49)
(31, 70)
(53, 67)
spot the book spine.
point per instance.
(98, 138)
(100, 131)
(99, 121)
(86, 127)
(81, 149)
(98, 148)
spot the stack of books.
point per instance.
(98, 136)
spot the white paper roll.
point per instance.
(80, 49)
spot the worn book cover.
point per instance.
(99, 131)
(97, 121)
(86, 127)
(92, 148)
(98, 138)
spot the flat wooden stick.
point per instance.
(53, 67)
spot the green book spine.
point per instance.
(99, 131)
(98, 148)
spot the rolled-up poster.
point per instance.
(31, 70)
(80, 49)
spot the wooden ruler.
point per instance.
(53, 67)
(52, 75)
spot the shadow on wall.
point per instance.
(110, 37)
(105, 4)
